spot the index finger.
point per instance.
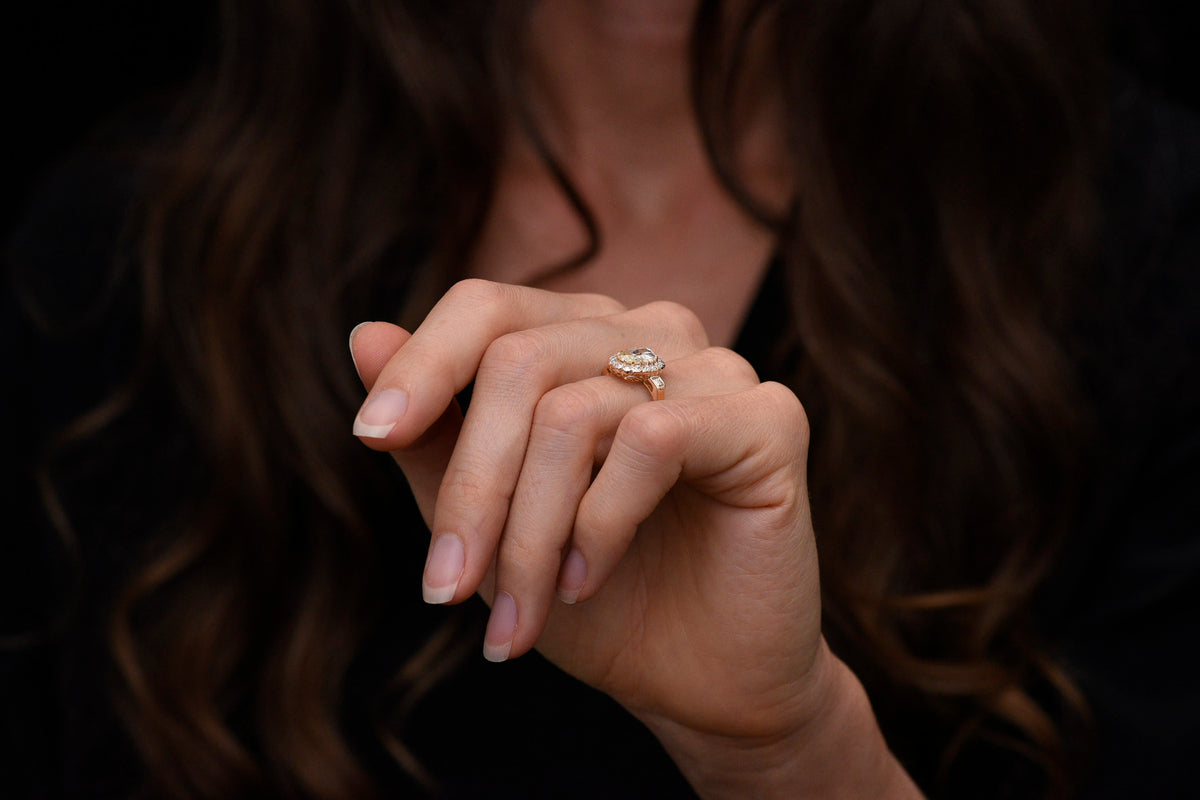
(420, 381)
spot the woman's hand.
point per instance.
(661, 551)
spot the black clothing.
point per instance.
(1120, 605)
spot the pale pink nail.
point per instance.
(572, 576)
(380, 413)
(444, 569)
(502, 625)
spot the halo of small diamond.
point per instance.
(636, 364)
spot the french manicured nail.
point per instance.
(501, 627)
(444, 569)
(571, 576)
(380, 413)
(353, 333)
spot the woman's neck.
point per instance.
(610, 78)
(609, 86)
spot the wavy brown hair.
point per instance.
(335, 164)
(945, 215)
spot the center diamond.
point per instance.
(636, 364)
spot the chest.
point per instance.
(701, 251)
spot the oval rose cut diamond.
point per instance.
(637, 364)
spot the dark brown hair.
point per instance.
(946, 203)
(335, 165)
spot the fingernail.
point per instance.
(444, 569)
(502, 625)
(353, 332)
(571, 576)
(380, 413)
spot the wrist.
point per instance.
(835, 750)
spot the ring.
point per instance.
(639, 365)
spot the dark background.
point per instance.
(70, 65)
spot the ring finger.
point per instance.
(572, 428)
(516, 371)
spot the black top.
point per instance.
(1120, 607)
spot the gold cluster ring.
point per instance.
(639, 365)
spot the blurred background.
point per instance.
(71, 65)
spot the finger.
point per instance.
(372, 345)
(568, 427)
(423, 462)
(745, 450)
(516, 372)
(417, 385)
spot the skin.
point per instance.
(660, 551)
(615, 107)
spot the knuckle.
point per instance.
(602, 304)
(520, 553)
(568, 410)
(480, 302)
(682, 318)
(520, 352)
(730, 364)
(787, 408)
(466, 487)
(475, 292)
(653, 431)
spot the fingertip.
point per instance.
(501, 629)
(380, 413)
(372, 345)
(572, 576)
(353, 333)
(443, 569)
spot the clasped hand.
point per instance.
(661, 551)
